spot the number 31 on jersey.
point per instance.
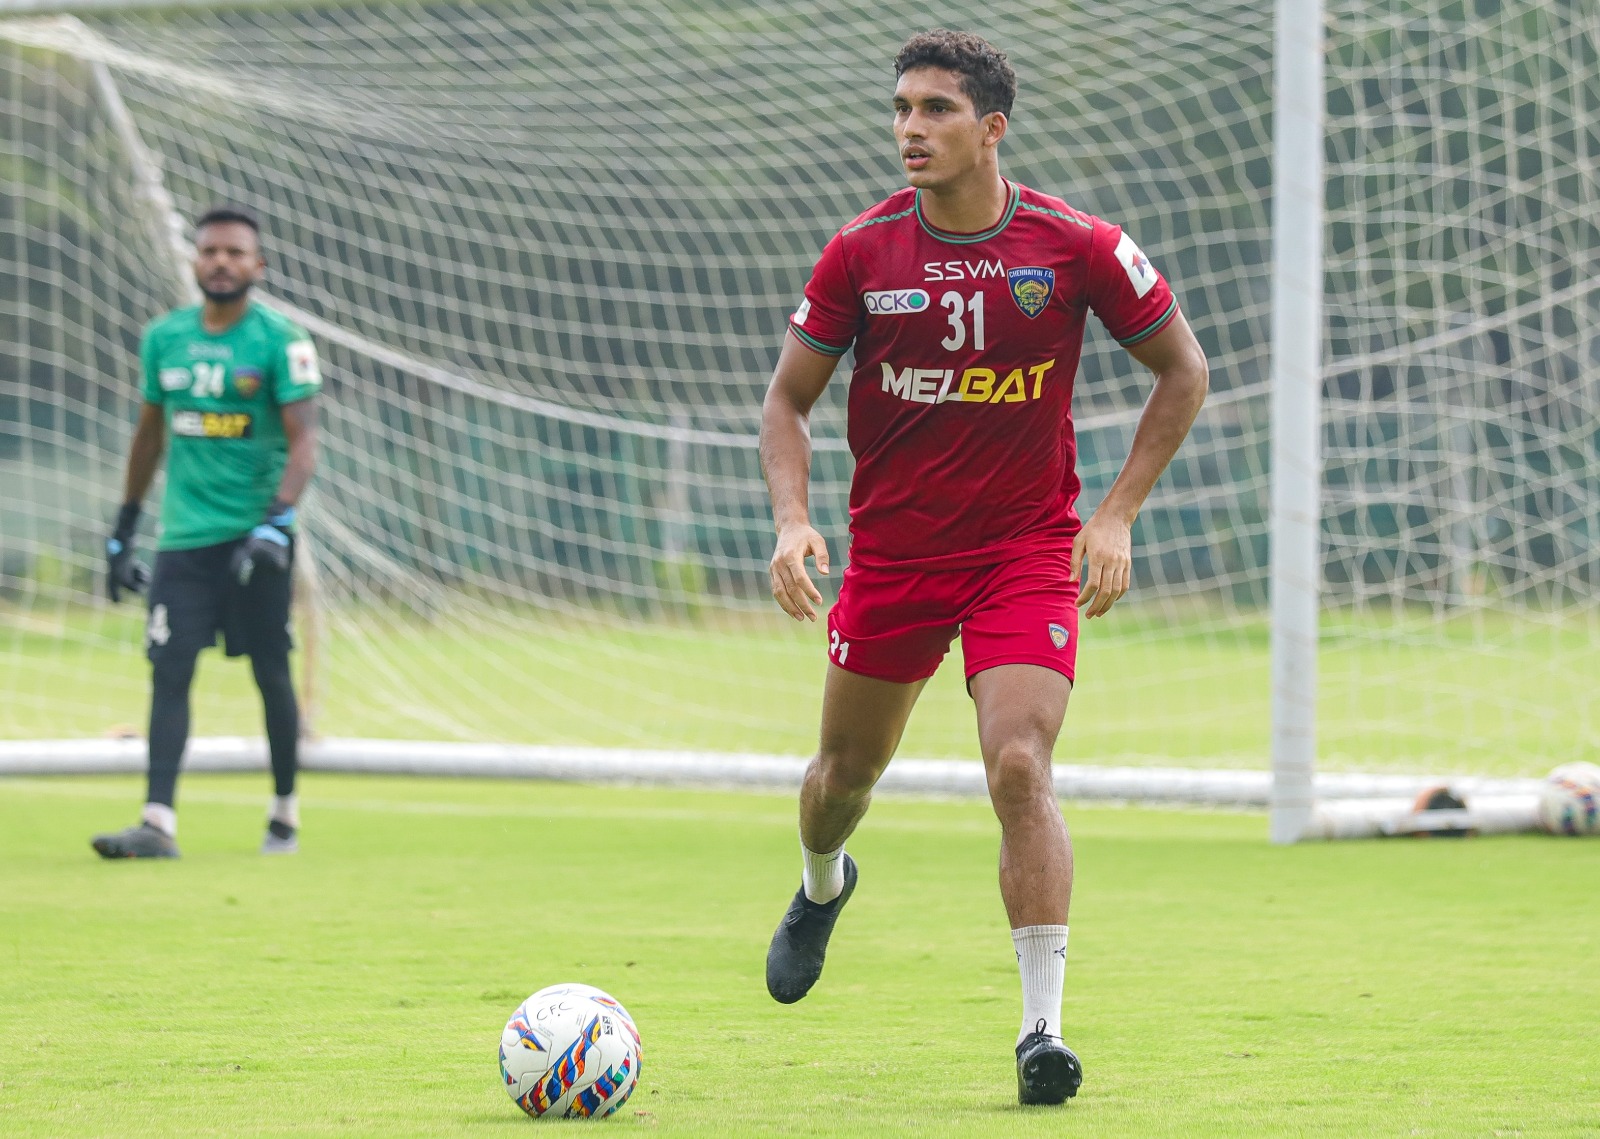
(962, 309)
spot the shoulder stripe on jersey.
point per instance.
(971, 238)
(816, 345)
(1056, 214)
(1154, 328)
(879, 221)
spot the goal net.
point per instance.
(547, 252)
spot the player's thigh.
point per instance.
(187, 601)
(1020, 710)
(256, 622)
(863, 719)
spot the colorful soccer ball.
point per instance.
(570, 1050)
(1569, 801)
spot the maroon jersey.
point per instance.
(967, 344)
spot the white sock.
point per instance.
(162, 817)
(823, 874)
(1042, 958)
(286, 809)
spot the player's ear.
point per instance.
(994, 128)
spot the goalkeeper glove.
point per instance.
(266, 545)
(122, 571)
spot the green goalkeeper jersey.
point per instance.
(220, 395)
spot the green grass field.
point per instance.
(1474, 696)
(1216, 985)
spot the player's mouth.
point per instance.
(915, 157)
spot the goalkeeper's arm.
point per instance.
(268, 543)
(149, 442)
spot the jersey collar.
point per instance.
(1013, 197)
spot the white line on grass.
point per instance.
(72, 788)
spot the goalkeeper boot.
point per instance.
(280, 838)
(142, 841)
(1047, 1070)
(794, 961)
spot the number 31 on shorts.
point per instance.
(836, 647)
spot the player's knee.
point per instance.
(272, 675)
(840, 774)
(171, 673)
(1020, 777)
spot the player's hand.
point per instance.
(792, 586)
(1102, 563)
(123, 571)
(267, 545)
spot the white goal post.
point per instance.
(547, 250)
(1296, 519)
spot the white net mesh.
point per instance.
(549, 251)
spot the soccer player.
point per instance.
(234, 385)
(965, 297)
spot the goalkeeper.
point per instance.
(233, 385)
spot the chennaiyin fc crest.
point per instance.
(247, 382)
(1031, 288)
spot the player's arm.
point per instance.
(797, 383)
(268, 544)
(300, 431)
(144, 457)
(1106, 540)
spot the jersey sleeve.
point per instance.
(829, 316)
(298, 374)
(1131, 299)
(149, 371)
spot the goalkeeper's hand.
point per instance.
(267, 545)
(122, 570)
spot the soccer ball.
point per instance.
(1569, 801)
(570, 1050)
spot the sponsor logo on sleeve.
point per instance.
(895, 302)
(1031, 288)
(1059, 636)
(1140, 272)
(247, 382)
(303, 370)
(212, 424)
(174, 379)
(802, 312)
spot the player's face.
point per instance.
(940, 135)
(227, 260)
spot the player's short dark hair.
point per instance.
(244, 215)
(986, 75)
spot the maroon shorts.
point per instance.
(896, 625)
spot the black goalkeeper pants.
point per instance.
(193, 598)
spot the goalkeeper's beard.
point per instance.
(223, 297)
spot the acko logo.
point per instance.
(895, 302)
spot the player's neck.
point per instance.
(967, 205)
(219, 316)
